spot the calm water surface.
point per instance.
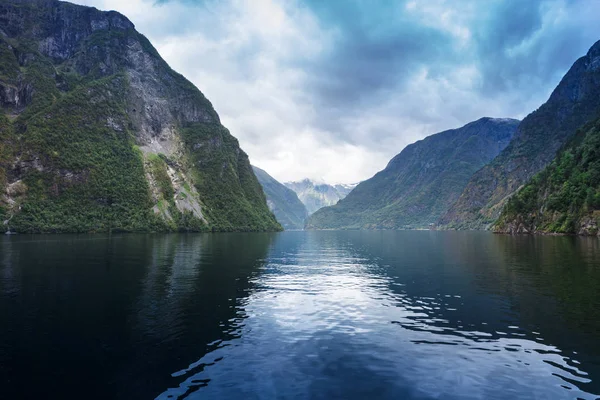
(300, 315)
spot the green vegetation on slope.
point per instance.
(565, 196)
(158, 169)
(421, 182)
(80, 175)
(223, 176)
(77, 117)
(9, 65)
(574, 102)
(5, 157)
(166, 206)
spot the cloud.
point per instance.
(334, 89)
(527, 45)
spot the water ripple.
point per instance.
(300, 315)
(319, 315)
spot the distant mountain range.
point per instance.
(422, 182)
(292, 202)
(289, 210)
(317, 195)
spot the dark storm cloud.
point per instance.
(509, 23)
(515, 49)
(378, 47)
(375, 47)
(307, 85)
(359, 66)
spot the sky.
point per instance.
(333, 89)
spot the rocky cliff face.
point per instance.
(98, 131)
(318, 195)
(420, 183)
(565, 196)
(285, 204)
(573, 103)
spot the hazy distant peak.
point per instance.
(316, 195)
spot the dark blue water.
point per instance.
(300, 315)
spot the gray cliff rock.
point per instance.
(83, 94)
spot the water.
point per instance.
(307, 315)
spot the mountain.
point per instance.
(318, 195)
(574, 102)
(422, 182)
(98, 132)
(565, 196)
(282, 201)
(344, 189)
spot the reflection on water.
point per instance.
(414, 315)
(82, 316)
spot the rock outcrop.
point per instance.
(105, 135)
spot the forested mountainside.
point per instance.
(284, 202)
(565, 196)
(316, 195)
(574, 102)
(422, 182)
(97, 132)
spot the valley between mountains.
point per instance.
(98, 133)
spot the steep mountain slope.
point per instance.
(344, 189)
(574, 102)
(420, 183)
(318, 195)
(565, 196)
(285, 204)
(98, 132)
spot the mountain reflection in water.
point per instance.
(393, 314)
